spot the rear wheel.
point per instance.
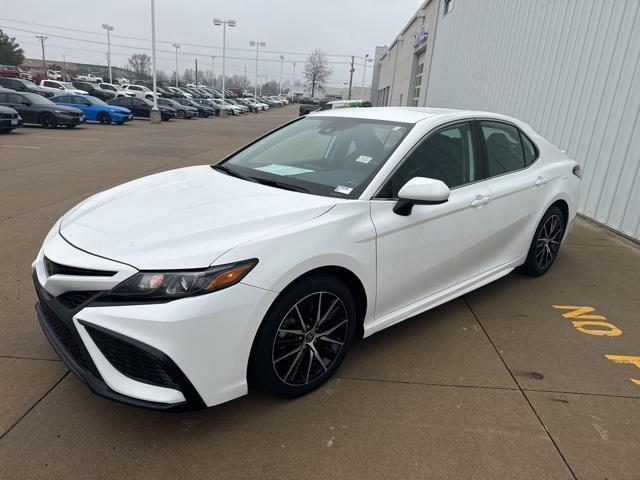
(48, 120)
(104, 118)
(304, 337)
(545, 245)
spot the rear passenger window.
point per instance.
(530, 152)
(504, 149)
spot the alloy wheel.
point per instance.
(48, 121)
(548, 241)
(310, 338)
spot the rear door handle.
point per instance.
(480, 200)
(541, 181)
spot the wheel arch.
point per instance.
(345, 275)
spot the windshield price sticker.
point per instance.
(344, 190)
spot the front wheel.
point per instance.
(545, 245)
(47, 120)
(304, 337)
(104, 118)
(181, 115)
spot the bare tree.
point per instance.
(140, 63)
(188, 75)
(161, 76)
(317, 70)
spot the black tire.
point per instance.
(181, 114)
(104, 118)
(71, 126)
(316, 357)
(48, 120)
(545, 245)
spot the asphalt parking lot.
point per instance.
(517, 380)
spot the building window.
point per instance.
(448, 6)
(418, 84)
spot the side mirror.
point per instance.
(420, 191)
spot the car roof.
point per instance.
(409, 114)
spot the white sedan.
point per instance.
(56, 86)
(180, 289)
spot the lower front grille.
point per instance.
(131, 360)
(69, 339)
(74, 299)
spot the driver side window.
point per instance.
(446, 155)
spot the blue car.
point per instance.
(94, 108)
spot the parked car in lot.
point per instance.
(55, 86)
(10, 71)
(90, 77)
(34, 108)
(220, 276)
(94, 108)
(22, 85)
(94, 90)
(234, 102)
(10, 119)
(203, 110)
(117, 90)
(337, 104)
(141, 107)
(54, 74)
(182, 111)
(227, 107)
(140, 91)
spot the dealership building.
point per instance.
(571, 69)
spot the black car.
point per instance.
(209, 104)
(34, 108)
(94, 90)
(141, 107)
(165, 92)
(203, 110)
(182, 111)
(9, 119)
(21, 85)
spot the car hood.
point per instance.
(65, 108)
(184, 218)
(118, 108)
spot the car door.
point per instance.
(436, 247)
(515, 190)
(140, 107)
(25, 108)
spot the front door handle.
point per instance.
(481, 200)
(541, 181)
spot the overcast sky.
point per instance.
(289, 27)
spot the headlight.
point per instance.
(164, 286)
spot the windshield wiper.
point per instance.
(233, 173)
(284, 186)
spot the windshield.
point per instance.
(330, 156)
(38, 99)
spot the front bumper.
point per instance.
(10, 123)
(70, 119)
(180, 355)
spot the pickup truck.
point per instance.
(89, 78)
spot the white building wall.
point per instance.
(570, 68)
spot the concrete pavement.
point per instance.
(507, 382)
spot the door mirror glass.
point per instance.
(420, 191)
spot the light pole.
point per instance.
(176, 46)
(281, 64)
(224, 23)
(155, 116)
(257, 44)
(109, 29)
(293, 78)
(42, 38)
(213, 65)
(364, 71)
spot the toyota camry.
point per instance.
(181, 289)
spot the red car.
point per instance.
(10, 71)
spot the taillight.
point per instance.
(577, 171)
